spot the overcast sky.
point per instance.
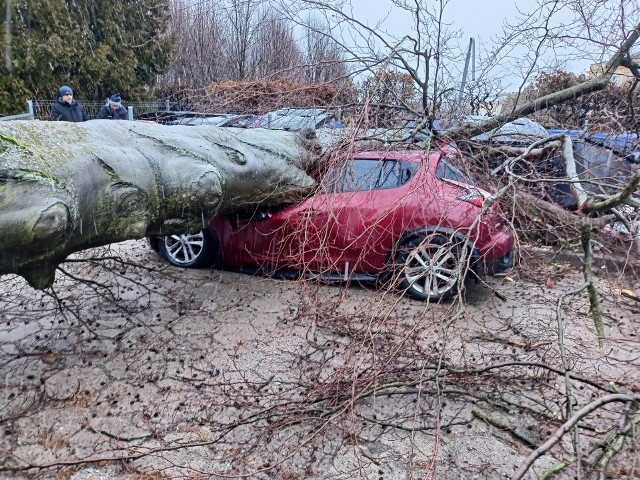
(477, 18)
(481, 19)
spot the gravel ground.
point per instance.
(196, 373)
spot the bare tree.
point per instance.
(245, 40)
(199, 33)
(244, 19)
(426, 53)
(275, 54)
(323, 59)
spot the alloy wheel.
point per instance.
(431, 269)
(184, 249)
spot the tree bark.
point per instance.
(65, 187)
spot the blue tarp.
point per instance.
(621, 142)
(574, 134)
(625, 144)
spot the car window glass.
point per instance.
(409, 169)
(371, 174)
(446, 171)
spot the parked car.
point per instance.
(170, 117)
(164, 116)
(299, 118)
(195, 118)
(519, 132)
(624, 145)
(378, 215)
(522, 132)
(219, 120)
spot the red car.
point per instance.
(402, 215)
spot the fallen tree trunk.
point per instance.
(66, 187)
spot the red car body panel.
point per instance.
(355, 232)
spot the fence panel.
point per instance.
(42, 108)
(21, 116)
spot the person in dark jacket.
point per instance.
(66, 109)
(113, 109)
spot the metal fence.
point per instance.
(41, 109)
(21, 116)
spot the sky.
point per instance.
(474, 17)
(481, 19)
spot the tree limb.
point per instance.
(567, 426)
(546, 101)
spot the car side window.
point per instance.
(372, 174)
(446, 171)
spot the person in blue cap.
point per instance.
(66, 109)
(113, 109)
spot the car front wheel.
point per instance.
(189, 250)
(429, 266)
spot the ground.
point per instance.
(143, 370)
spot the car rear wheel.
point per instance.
(429, 266)
(189, 250)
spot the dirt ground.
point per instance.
(131, 369)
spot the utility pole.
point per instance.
(470, 56)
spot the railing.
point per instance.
(22, 116)
(41, 109)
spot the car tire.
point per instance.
(428, 266)
(195, 250)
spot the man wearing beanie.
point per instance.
(113, 109)
(66, 108)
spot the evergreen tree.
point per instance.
(96, 47)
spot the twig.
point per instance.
(506, 427)
(556, 469)
(606, 388)
(630, 294)
(567, 426)
(615, 444)
(527, 151)
(596, 311)
(526, 346)
(585, 235)
(565, 367)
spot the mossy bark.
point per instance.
(65, 187)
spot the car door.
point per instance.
(347, 228)
(259, 238)
(350, 228)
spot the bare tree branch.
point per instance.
(567, 426)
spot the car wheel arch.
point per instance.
(385, 276)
